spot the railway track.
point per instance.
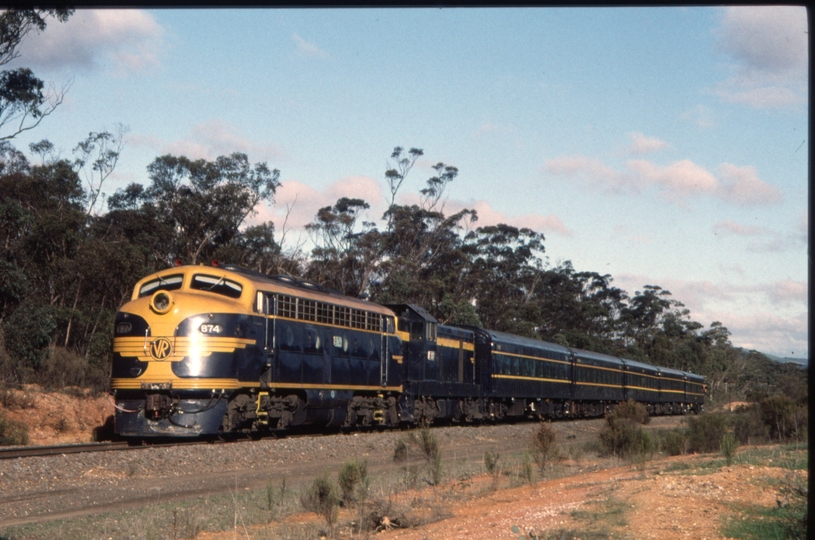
(32, 451)
(63, 449)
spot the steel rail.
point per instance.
(32, 451)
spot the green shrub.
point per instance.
(491, 461)
(12, 433)
(353, 477)
(749, 426)
(400, 451)
(674, 442)
(728, 446)
(705, 432)
(527, 473)
(545, 448)
(321, 498)
(785, 419)
(622, 435)
(274, 497)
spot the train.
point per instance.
(214, 351)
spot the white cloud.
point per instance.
(640, 144)
(487, 215)
(770, 317)
(210, 139)
(125, 40)
(308, 48)
(700, 115)
(676, 182)
(297, 203)
(731, 227)
(769, 49)
(742, 185)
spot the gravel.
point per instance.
(41, 489)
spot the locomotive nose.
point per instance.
(161, 302)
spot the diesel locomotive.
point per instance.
(208, 351)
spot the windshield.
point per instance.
(166, 283)
(215, 284)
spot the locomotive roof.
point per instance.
(281, 283)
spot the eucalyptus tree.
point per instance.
(204, 202)
(23, 101)
(347, 250)
(505, 273)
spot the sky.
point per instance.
(661, 146)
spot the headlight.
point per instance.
(161, 302)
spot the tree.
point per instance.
(505, 271)
(96, 158)
(345, 256)
(204, 202)
(23, 105)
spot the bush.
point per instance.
(400, 451)
(705, 432)
(12, 433)
(353, 476)
(491, 461)
(544, 448)
(674, 442)
(622, 436)
(728, 446)
(321, 498)
(785, 419)
(748, 425)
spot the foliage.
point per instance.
(23, 105)
(674, 442)
(728, 446)
(622, 435)
(705, 432)
(321, 498)
(544, 448)
(353, 481)
(67, 263)
(12, 433)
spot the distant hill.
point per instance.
(787, 360)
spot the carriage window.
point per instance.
(215, 284)
(166, 283)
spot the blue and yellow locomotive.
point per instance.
(205, 351)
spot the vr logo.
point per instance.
(160, 348)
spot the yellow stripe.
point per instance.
(455, 344)
(308, 386)
(177, 383)
(139, 347)
(494, 352)
(614, 370)
(600, 384)
(536, 379)
(641, 388)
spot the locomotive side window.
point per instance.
(218, 285)
(166, 283)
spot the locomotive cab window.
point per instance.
(166, 283)
(215, 284)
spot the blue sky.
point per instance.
(663, 146)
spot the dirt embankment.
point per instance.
(54, 418)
